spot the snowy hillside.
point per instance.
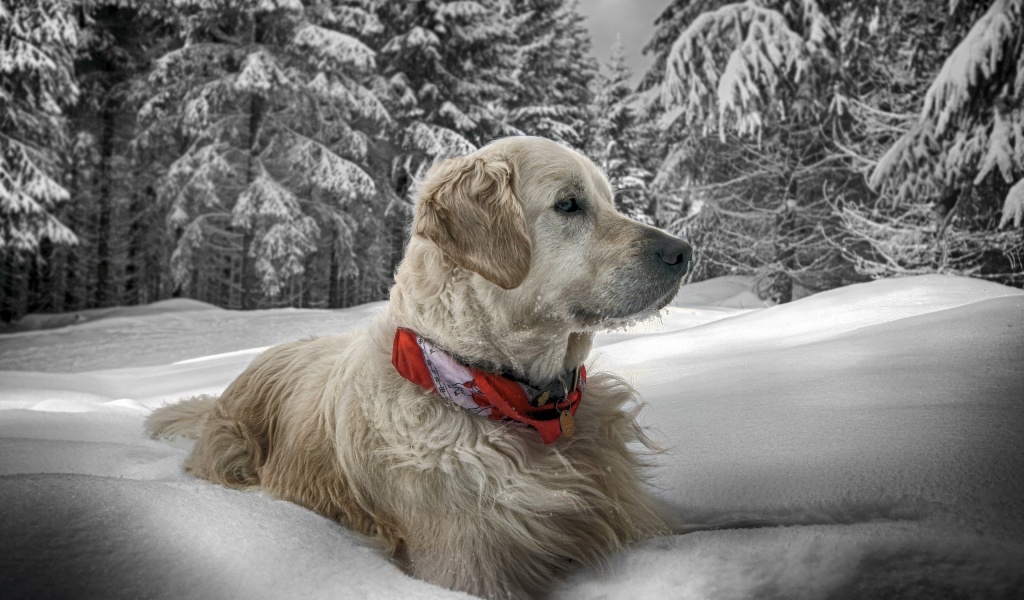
(863, 442)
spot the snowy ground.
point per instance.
(866, 442)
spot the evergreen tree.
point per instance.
(971, 120)
(113, 54)
(804, 98)
(620, 136)
(444, 73)
(267, 107)
(276, 142)
(554, 71)
(37, 85)
(960, 162)
(747, 88)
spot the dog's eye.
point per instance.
(567, 205)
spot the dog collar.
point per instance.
(549, 410)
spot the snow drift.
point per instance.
(863, 442)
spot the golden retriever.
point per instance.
(517, 258)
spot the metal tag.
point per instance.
(567, 423)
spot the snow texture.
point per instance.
(862, 442)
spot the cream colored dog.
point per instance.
(517, 257)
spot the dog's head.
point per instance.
(526, 230)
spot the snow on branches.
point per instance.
(552, 73)
(461, 9)
(438, 141)
(977, 61)
(37, 75)
(339, 177)
(1013, 208)
(444, 74)
(971, 124)
(273, 114)
(260, 74)
(333, 49)
(729, 67)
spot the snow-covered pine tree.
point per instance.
(445, 71)
(38, 84)
(554, 71)
(120, 254)
(114, 52)
(670, 23)
(971, 120)
(266, 104)
(745, 94)
(742, 64)
(618, 142)
(960, 163)
(38, 39)
(67, 272)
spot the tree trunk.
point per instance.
(246, 280)
(333, 301)
(256, 108)
(103, 225)
(9, 301)
(134, 270)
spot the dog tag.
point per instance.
(567, 423)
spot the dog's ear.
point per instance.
(468, 209)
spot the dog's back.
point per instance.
(269, 429)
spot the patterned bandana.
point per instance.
(490, 395)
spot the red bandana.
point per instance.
(487, 394)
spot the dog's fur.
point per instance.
(499, 276)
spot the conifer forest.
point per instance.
(263, 153)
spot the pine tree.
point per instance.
(745, 92)
(112, 56)
(267, 105)
(804, 98)
(618, 139)
(959, 163)
(769, 72)
(444, 73)
(554, 72)
(38, 84)
(669, 24)
(972, 123)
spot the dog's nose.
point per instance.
(675, 252)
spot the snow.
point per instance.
(732, 291)
(1013, 206)
(862, 442)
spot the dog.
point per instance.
(460, 429)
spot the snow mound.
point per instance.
(865, 442)
(732, 291)
(818, 317)
(38, 321)
(125, 538)
(152, 336)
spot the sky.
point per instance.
(633, 20)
